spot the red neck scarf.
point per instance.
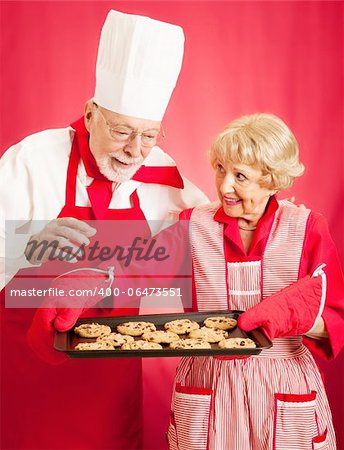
(100, 190)
(166, 175)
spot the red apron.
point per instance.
(83, 403)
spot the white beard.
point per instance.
(118, 174)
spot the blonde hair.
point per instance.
(263, 141)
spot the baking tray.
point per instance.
(66, 342)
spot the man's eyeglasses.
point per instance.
(125, 134)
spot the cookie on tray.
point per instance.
(189, 344)
(181, 326)
(92, 330)
(141, 345)
(135, 328)
(208, 334)
(220, 322)
(160, 336)
(94, 346)
(115, 339)
(237, 343)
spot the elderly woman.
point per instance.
(273, 260)
(279, 264)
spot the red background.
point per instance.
(240, 57)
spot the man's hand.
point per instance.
(292, 200)
(41, 336)
(57, 239)
(61, 312)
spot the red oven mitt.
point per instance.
(289, 312)
(61, 312)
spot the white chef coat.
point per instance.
(33, 183)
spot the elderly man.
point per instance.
(105, 166)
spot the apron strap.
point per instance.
(72, 172)
(135, 201)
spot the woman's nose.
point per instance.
(227, 184)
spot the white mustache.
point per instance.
(127, 159)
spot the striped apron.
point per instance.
(272, 401)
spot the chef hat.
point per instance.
(139, 60)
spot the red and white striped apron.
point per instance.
(272, 401)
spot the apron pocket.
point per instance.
(321, 442)
(295, 421)
(192, 406)
(172, 435)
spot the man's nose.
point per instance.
(133, 147)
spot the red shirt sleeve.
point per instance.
(319, 249)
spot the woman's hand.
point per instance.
(319, 330)
(292, 311)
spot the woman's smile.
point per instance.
(231, 201)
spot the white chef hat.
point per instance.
(139, 60)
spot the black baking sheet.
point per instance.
(67, 341)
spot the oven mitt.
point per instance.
(61, 312)
(290, 312)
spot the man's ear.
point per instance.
(88, 114)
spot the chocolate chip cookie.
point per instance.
(92, 330)
(220, 323)
(181, 326)
(135, 328)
